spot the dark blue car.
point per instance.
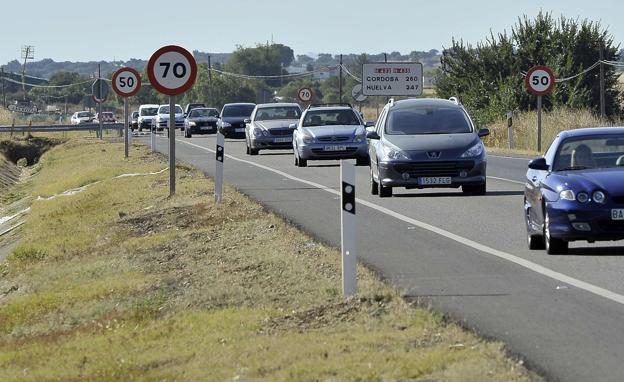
(576, 191)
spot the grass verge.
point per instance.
(120, 282)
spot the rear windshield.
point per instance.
(165, 110)
(148, 111)
(203, 113)
(83, 114)
(272, 113)
(237, 110)
(331, 117)
(427, 120)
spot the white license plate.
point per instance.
(434, 180)
(335, 148)
(239, 130)
(617, 214)
(280, 140)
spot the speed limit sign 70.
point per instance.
(305, 94)
(126, 82)
(539, 80)
(172, 70)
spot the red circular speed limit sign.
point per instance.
(305, 94)
(172, 70)
(539, 80)
(126, 82)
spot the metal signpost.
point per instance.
(99, 89)
(392, 79)
(539, 81)
(172, 70)
(126, 83)
(220, 156)
(348, 229)
(357, 95)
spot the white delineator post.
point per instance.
(348, 229)
(220, 156)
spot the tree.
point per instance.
(488, 77)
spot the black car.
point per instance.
(191, 106)
(232, 122)
(201, 120)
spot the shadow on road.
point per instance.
(596, 251)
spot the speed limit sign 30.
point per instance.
(172, 70)
(539, 80)
(126, 82)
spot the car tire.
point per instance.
(253, 151)
(362, 161)
(384, 192)
(300, 162)
(554, 246)
(535, 241)
(374, 186)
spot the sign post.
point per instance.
(99, 90)
(126, 83)
(172, 70)
(539, 81)
(348, 229)
(357, 95)
(392, 79)
(220, 156)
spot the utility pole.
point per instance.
(28, 53)
(386, 61)
(603, 114)
(3, 89)
(340, 80)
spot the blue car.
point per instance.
(576, 191)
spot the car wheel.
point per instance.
(253, 151)
(374, 186)
(384, 192)
(362, 161)
(300, 162)
(553, 245)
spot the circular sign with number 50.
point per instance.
(126, 82)
(539, 80)
(172, 70)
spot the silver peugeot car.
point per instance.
(330, 131)
(268, 128)
(420, 143)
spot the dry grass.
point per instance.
(120, 282)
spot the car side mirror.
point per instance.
(369, 123)
(483, 132)
(372, 135)
(247, 120)
(538, 164)
(292, 126)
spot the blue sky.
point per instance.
(74, 30)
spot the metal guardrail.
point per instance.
(44, 128)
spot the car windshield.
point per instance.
(135, 114)
(272, 113)
(107, 114)
(237, 110)
(149, 111)
(427, 120)
(590, 152)
(330, 117)
(203, 113)
(84, 114)
(165, 110)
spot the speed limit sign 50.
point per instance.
(539, 80)
(126, 82)
(172, 70)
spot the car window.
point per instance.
(149, 111)
(238, 110)
(83, 114)
(590, 152)
(330, 117)
(427, 120)
(274, 113)
(165, 110)
(203, 113)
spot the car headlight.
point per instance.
(308, 139)
(393, 153)
(582, 197)
(360, 138)
(225, 124)
(192, 124)
(474, 151)
(567, 195)
(599, 197)
(257, 132)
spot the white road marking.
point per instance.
(506, 180)
(508, 157)
(602, 292)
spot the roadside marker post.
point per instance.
(220, 157)
(172, 71)
(509, 130)
(126, 83)
(539, 81)
(348, 237)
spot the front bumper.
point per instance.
(271, 142)
(235, 129)
(320, 151)
(564, 215)
(203, 128)
(409, 173)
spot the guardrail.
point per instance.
(44, 128)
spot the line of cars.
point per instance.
(82, 117)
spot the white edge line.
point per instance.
(449, 235)
(508, 157)
(506, 180)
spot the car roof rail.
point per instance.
(455, 100)
(346, 104)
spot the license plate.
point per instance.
(280, 140)
(617, 214)
(206, 128)
(335, 148)
(434, 180)
(239, 130)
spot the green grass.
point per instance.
(121, 282)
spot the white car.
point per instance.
(147, 113)
(80, 117)
(162, 117)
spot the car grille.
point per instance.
(444, 168)
(618, 199)
(280, 132)
(612, 225)
(349, 150)
(166, 123)
(334, 139)
(200, 124)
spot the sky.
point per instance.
(78, 30)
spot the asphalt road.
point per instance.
(465, 255)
